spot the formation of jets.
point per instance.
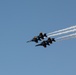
(41, 37)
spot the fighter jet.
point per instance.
(34, 40)
(41, 35)
(38, 38)
(50, 40)
(47, 42)
(42, 44)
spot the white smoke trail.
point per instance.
(66, 37)
(62, 33)
(62, 30)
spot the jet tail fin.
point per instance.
(53, 39)
(45, 35)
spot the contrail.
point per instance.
(62, 30)
(66, 37)
(62, 33)
(74, 34)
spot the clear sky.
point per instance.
(20, 20)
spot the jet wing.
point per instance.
(38, 45)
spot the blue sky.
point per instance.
(20, 20)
